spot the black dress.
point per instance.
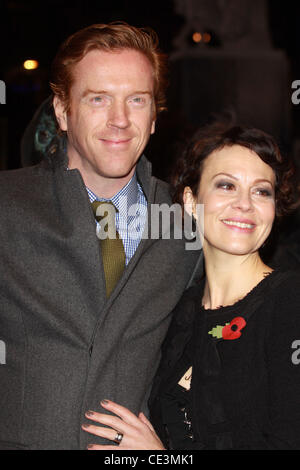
(245, 388)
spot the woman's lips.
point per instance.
(240, 225)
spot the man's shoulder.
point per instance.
(23, 184)
(149, 181)
(163, 193)
(163, 186)
(10, 178)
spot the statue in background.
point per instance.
(238, 24)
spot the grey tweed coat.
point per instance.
(67, 346)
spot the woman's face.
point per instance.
(238, 192)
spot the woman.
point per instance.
(229, 376)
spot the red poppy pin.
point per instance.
(231, 330)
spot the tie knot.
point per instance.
(103, 209)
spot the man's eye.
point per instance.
(138, 100)
(97, 100)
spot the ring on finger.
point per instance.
(118, 438)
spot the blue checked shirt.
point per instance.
(131, 217)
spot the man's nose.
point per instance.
(118, 116)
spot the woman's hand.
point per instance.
(137, 431)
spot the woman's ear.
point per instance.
(189, 202)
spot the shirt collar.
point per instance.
(123, 199)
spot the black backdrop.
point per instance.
(34, 29)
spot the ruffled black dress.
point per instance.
(245, 385)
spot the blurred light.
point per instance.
(206, 37)
(30, 64)
(197, 37)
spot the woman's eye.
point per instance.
(225, 185)
(263, 192)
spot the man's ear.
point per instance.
(60, 113)
(189, 201)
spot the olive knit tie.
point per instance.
(112, 249)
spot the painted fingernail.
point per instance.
(104, 402)
(89, 413)
(86, 426)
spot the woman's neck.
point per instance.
(230, 277)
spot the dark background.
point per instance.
(34, 29)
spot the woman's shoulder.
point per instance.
(284, 284)
(283, 302)
(283, 326)
(292, 274)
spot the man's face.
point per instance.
(112, 113)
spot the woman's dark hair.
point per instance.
(216, 136)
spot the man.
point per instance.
(74, 335)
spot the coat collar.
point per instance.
(57, 158)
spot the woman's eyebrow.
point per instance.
(225, 174)
(258, 180)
